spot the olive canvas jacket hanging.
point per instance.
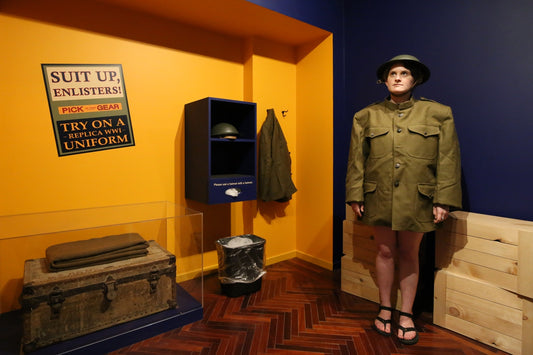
(275, 177)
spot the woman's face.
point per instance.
(400, 82)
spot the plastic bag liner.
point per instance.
(240, 259)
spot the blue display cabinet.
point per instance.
(218, 168)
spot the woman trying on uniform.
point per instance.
(404, 174)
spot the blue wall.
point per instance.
(478, 52)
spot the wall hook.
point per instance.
(284, 113)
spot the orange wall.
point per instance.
(315, 152)
(159, 81)
(274, 86)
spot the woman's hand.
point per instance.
(358, 209)
(440, 213)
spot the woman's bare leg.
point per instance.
(408, 247)
(386, 246)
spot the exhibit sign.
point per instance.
(89, 107)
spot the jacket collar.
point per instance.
(393, 106)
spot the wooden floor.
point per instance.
(300, 309)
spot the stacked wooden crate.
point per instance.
(484, 281)
(358, 271)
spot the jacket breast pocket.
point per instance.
(377, 138)
(423, 141)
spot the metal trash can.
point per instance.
(240, 264)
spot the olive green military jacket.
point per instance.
(404, 158)
(275, 176)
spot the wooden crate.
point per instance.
(484, 312)
(358, 239)
(358, 271)
(359, 278)
(483, 288)
(350, 215)
(493, 249)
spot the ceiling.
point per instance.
(238, 18)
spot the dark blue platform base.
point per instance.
(109, 339)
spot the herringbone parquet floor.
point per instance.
(299, 310)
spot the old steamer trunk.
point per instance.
(62, 305)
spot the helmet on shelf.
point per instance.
(224, 130)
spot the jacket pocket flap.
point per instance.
(369, 187)
(425, 130)
(427, 190)
(376, 131)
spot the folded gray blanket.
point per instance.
(95, 251)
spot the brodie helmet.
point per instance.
(411, 62)
(224, 130)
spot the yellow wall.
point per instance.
(159, 81)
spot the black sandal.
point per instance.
(409, 329)
(383, 321)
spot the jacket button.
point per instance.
(396, 183)
(399, 130)
(397, 165)
(400, 115)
